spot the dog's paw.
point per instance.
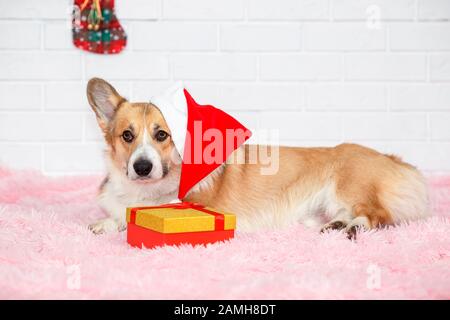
(105, 226)
(333, 225)
(356, 225)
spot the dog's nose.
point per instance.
(142, 167)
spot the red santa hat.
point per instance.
(204, 136)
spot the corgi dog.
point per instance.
(344, 187)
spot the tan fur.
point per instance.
(131, 116)
(365, 183)
(348, 186)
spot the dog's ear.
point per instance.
(104, 100)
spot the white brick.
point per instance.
(138, 9)
(40, 127)
(369, 10)
(92, 131)
(302, 126)
(342, 36)
(127, 65)
(440, 67)
(420, 97)
(72, 95)
(301, 67)
(35, 9)
(74, 157)
(203, 9)
(20, 35)
(20, 156)
(434, 9)
(420, 37)
(214, 67)
(57, 35)
(347, 97)
(207, 93)
(20, 96)
(65, 96)
(382, 126)
(174, 36)
(288, 9)
(266, 37)
(385, 67)
(144, 90)
(249, 96)
(440, 126)
(38, 66)
(427, 156)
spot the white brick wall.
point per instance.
(376, 72)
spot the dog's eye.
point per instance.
(127, 136)
(161, 135)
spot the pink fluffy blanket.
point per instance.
(46, 251)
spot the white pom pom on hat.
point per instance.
(173, 106)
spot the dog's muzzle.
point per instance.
(142, 167)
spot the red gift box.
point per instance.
(178, 223)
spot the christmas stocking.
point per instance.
(96, 28)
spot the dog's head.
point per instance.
(140, 143)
